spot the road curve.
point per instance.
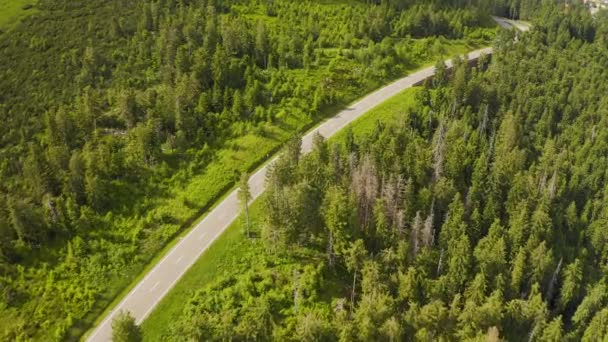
(510, 24)
(144, 297)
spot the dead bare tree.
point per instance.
(400, 223)
(365, 186)
(553, 282)
(415, 233)
(542, 182)
(552, 186)
(439, 151)
(428, 231)
(296, 290)
(483, 125)
(392, 195)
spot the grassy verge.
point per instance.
(12, 11)
(150, 266)
(226, 255)
(387, 112)
(232, 252)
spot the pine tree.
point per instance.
(77, 177)
(354, 257)
(336, 215)
(124, 328)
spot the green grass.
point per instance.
(12, 11)
(232, 252)
(387, 112)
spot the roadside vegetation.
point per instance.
(124, 121)
(233, 253)
(476, 212)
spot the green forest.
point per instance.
(477, 212)
(123, 121)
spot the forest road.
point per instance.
(144, 297)
(510, 24)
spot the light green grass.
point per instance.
(12, 11)
(232, 251)
(387, 112)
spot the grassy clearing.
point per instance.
(232, 253)
(12, 11)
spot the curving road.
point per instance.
(510, 24)
(151, 290)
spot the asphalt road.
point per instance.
(143, 298)
(509, 24)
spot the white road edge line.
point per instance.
(168, 288)
(155, 285)
(154, 269)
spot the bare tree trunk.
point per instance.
(440, 264)
(247, 218)
(415, 234)
(439, 152)
(295, 290)
(549, 295)
(330, 250)
(428, 232)
(365, 185)
(484, 121)
(352, 294)
(552, 187)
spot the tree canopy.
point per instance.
(122, 121)
(477, 214)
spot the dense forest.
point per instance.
(123, 120)
(480, 214)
